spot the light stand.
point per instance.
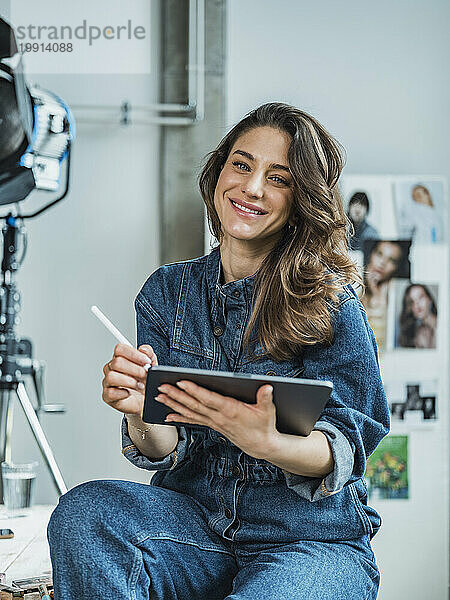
(45, 124)
(16, 360)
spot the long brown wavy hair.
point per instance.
(296, 287)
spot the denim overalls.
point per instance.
(215, 522)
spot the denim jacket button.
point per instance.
(271, 373)
(217, 331)
(236, 470)
(228, 513)
(236, 293)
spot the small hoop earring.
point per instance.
(292, 229)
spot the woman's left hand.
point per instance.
(250, 427)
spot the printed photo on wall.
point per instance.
(420, 209)
(412, 403)
(416, 315)
(369, 205)
(384, 260)
(387, 469)
(358, 211)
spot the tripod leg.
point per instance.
(6, 418)
(41, 438)
(6, 422)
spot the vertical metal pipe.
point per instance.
(200, 60)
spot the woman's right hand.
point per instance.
(125, 377)
(377, 288)
(373, 281)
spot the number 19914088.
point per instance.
(46, 47)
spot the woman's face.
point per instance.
(357, 212)
(422, 196)
(384, 260)
(419, 302)
(253, 195)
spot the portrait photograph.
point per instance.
(420, 210)
(416, 315)
(383, 260)
(368, 203)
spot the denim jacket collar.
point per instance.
(240, 290)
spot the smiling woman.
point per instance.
(236, 505)
(281, 160)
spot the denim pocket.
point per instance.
(361, 507)
(191, 358)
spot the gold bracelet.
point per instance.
(142, 431)
(326, 492)
(174, 458)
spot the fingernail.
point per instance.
(181, 384)
(140, 385)
(158, 398)
(147, 366)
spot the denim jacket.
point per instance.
(192, 320)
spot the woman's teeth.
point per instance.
(245, 209)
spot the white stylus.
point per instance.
(116, 333)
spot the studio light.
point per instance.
(36, 132)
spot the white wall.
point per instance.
(376, 75)
(96, 247)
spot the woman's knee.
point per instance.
(102, 507)
(78, 509)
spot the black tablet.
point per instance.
(298, 402)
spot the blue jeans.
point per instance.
(124, 540)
